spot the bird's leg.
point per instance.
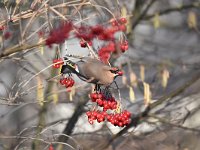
(97, 88)
(118, 91)
(107, 92)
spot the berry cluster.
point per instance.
(103, 102)
(67, 82)
(59, 34)
(120, 119)
(57, 63)
(117, 119)
(86, 35)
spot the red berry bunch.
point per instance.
(118, 119)
(60, 34)
(67, 82)
(96, 115)
(105, 52)
(119, 23)
(124, 46)
(103, 102)
(57, 63)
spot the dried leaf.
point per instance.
(133, 79)
(55, 98)
(192, 20)
(131, 94)
(18, 1)
(123, 11)
(42, 47)
(118, 109)
(128, 26)
(124, 80)
(147, 94)
(156, 21)
(40, 91)
(142, 72)
(165, 77)
(72, 93)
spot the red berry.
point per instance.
(123, 20)
(57, 63)
(116, 122)
(51, 147)
(99, 102)
(114, 22)
(120, 118)
(124, 46)
(89, 113)
(94, 114)
(100, 119)
(104, 102)
(108, 117)
(110, 104)
(122, 27)
(93, 96)
(67, 83)
(91, 121)
(120, 124)
(112, 121)
(127, 113)
(83, 44)
(100, 96)
(104, 114)
(63, 81)
(72, 82)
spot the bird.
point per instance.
(92, 70)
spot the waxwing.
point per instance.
(91, 70)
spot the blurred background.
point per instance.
(161, 69)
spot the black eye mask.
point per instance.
(114, 71)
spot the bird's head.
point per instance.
(116, 71)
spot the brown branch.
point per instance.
(15, 49)
(172, 124)
(142, 15)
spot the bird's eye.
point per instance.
(114, 70)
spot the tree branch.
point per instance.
(170, 10)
